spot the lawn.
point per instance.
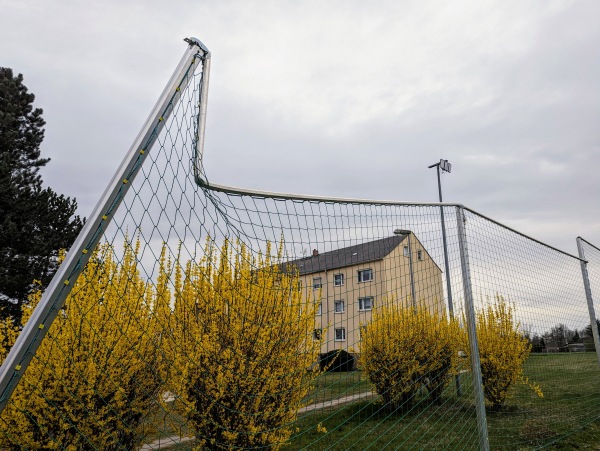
(327, 387)
(567, 417)
(331, 386)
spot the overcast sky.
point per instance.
(340, 98)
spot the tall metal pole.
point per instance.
(588, 295)
(445, 244)
(447, 266)
(55, 295)
(484, 443)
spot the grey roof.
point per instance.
(347, 256)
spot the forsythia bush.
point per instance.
(503, 350)
(404, 348)
(96, 376)
(243, 348)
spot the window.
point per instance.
(338, 280)
(365, 304)
(317, 283)
(406, 252)
(339, 307)
(299, 287)
(320, 309)
(317, 333)
(340, 334)
(419, 254)
(365, 275)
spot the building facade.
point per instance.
(351, 281)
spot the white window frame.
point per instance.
(361, 274)
(316, 285)
(406, 251)
(339, 302)
(317, 334)
(320, 309)
(342, 335)
(341, 280)
(361, 304)
(420, 255)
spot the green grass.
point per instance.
(567, 417)
(368, 425)
(327, 387)
(571, 386)
(330, 386)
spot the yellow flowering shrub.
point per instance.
(404, 348)
(503, 350)
(95, 377)
(243, 350)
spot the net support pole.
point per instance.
(588, 295)
(201, 124)
(57, 291)
(482, 429)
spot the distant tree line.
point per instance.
(559, 337)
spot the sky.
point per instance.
(336, 98)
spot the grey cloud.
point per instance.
(352, 104)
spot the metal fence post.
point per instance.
(588, 295)
(484, 443)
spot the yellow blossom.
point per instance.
(404, 348)
(243, 348)
(503, 350)
(96, 375)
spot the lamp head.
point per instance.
(445, 166)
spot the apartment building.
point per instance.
(352, 280)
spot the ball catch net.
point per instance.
(194, 314)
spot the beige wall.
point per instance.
(391, 283)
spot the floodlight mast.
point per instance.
(446, 167)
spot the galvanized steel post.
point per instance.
(588, 295)
(484, 443)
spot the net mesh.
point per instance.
(244, 321)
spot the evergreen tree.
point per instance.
(588, 329)
(35, 223)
